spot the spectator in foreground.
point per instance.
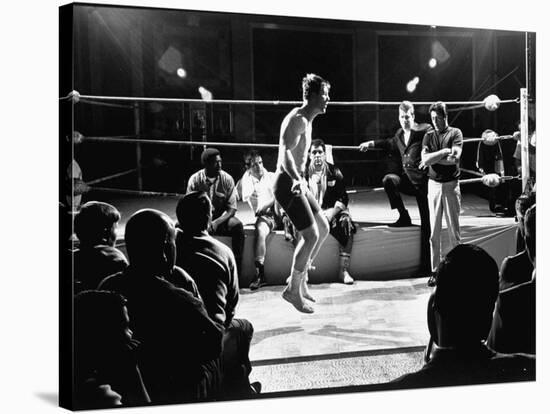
(181, 345)
(459, 318)
(97, 257)
(106, 372)
(212, 264)
(518, 269)
(514, 321)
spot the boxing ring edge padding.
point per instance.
(379, 252)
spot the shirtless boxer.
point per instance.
(291, 189)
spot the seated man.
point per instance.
(180, 344)
(257, 190)
(459, 318)
(106, 373)
(95, 226)
(326, 182)
(220, 187)
(514, 327)
(518, 269)
(212, 264)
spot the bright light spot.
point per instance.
(206, 95)
(432, 63)
(182, 73)
(411, 85)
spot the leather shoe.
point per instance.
(257, 283)
(404, 220)
(256, 387)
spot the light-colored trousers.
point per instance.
(443, 198)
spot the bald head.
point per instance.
(150, 239)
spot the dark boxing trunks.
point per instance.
(299, 208)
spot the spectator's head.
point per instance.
(406, 115)
(438, 115)
(254, 163)
(530, 233)
(96, 224)
(317, 153)
(194, 212)
(523, 203)
(151, 242)
(464, 297)
(101, 324)
(212, 161)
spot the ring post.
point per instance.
(138, 147)
(524, 131)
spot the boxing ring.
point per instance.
(380, 252)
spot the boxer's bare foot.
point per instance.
(306, 293)
(296, 301)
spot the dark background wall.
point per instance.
(136, 52)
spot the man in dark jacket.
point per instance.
(411, 180)
(326, 182)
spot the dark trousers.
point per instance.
(235, 358)
(394, 185)
(234, 229)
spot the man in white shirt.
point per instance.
(257, 190)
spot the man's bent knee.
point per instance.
(322, 224)
(310, 234)
(390, 180)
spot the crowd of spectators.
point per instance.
(157, 324)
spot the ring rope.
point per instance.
(135, 192)
(472, 172)
(114, 138)
(501, 137)
(462, 108)
(110, 177)
(73, 94)
(129, 139)
(209, 143)
(113, 105)
(366, 190)
(480, 179)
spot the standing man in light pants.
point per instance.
(441, 150)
